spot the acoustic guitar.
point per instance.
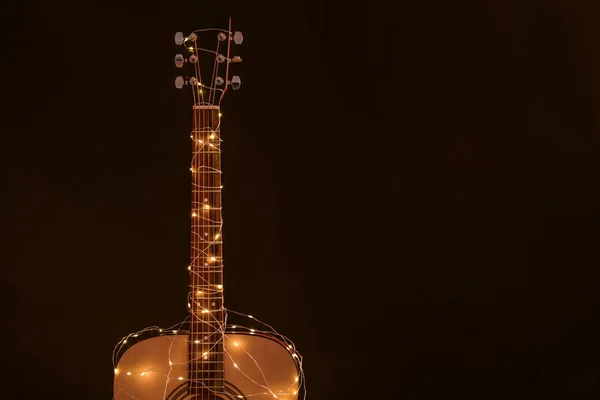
(205, 357)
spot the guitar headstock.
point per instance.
(208, 91)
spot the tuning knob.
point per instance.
(238, 38)
(220, 58)
(193, 58)
(219, 81)
(179, 38)
(179, 60)
(236, 82)
(179, 82)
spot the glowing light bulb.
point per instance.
(217, 236)
(204, 311)
(174, 331)
(297, 379)
(129, 373)
(180, 378)
(212, 136)
(136, 335)
(206, 206)
(235, 344)
(189, 305)
(199, 292)
(160, 330)
(124, 341)
(250, 316)
(235, 365)
(116, 371)
(189, 268)
(196, 341)
(221, 187)
(252, 331)
(211, 145)
(190, 48)
(295, 392)
(170, 363)
(143, 373)
(194, 214)
(220, 115)
(234, 326)
(213, 259)
(219, 287)
(290, 347)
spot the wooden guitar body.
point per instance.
(265, 369)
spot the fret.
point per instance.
(206, 226)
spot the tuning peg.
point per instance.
(236, 82)
(179, 60)
(179, 82)
(236, 59)
(221, 36)
(179, 38)
(220, 58)
(219, 81)
(238, 38)
(193, 58)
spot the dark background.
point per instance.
(411, 191)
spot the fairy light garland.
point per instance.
(207, 141)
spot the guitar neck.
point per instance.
(207, 314)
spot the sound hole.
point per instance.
(182, 393)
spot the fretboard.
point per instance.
(207, 316)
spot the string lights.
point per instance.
(209, 343)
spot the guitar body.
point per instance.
(265, 367)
